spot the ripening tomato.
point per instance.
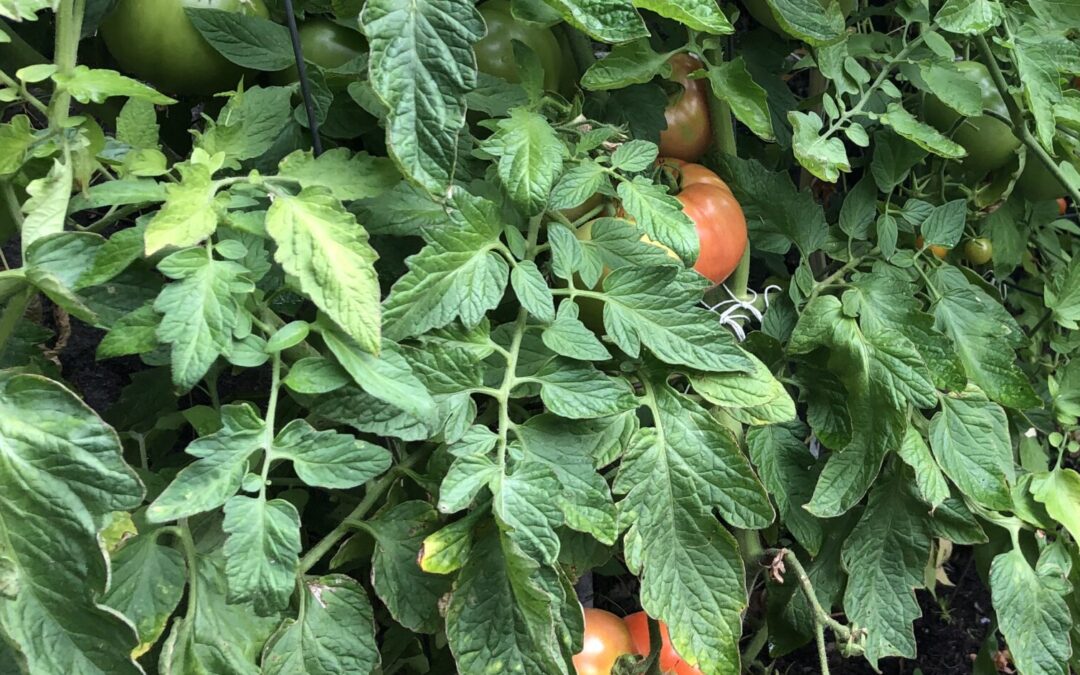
(606, 639)
(495, 52)
(155, 41)
(1063, 206)
(689, 129)
(670, 661)
(721, 225)
(989, 142)
(979, 251)
(939, 251)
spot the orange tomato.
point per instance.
(689, 129)
(1063, 206)
(606, 639)
(939, 251)
(721, 225)
(670, 661)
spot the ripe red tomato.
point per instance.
(606, 639)
(670, 661)
(689, 129)
(979, 251)
(721, 225)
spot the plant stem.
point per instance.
(848, 266)
(1019, 124)
(882, 76)
(271, 413)
(69, 21)
(374, 492)
(820, 615)
(34, 102)
(191, 556)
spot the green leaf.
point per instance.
(421, 66)
(532, 291)
(777, 213)
(388, 377)
(261, 551)
(789, 472)
(577, 185)
(579, 391)
(327, 458)
(568, 451)
(1032, 615)
(322, 245)
(189, 214)
(731, 82)
(649, 306)
(953, 521)
(523, 507)
(447, 550)
(1059, 490)
(825, 157)
(945, 224)
(629, 63)
(660, 215)
(88, 85)
(634, 156)
(530, 157)
(61, 475)
(809, 20)
(249, 125)
(501, 612)
(947, 83)
(411, 595)
(754, 398)
(885, 556)
(923, 135)
(46, 206)
(1062, 295)
(200, 309)
(16, 137)
(467, 476)
(208, 482)
(248, 41)
(983, 335)
(316, 375)
(335, 634)
(970, 438)
(611, 21)
(968, 16)
(146, 586)
(216, 636)
(698, 15)
(568, 336)
(349, 176)
(928, 477)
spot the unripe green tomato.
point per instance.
(495, 52)
(327, 45)
(1037, 184)
(989, 142)
(155, 41)
(979, 251)
(759, 9)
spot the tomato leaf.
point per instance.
(147, 584)
(970, 438)
(789, 472)
(62, 473)
(327, 458)
(1033, 615)
(261, 551)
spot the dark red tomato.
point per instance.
(689, 129)
(979, 251)
(327, 45)
(155, 41)
(495, 52)
(721, 225)
(606, 639)
(670, 661)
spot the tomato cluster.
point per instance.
(607, 637)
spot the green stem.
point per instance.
(374, 492)
(1019, 124)
(271, 413)
(20, 87)
(820, 615)
(880, 80)
(850, 265)
(69, 20)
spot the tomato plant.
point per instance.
(669, 659)
(157, 42)
(396, 370)
(495, 52)
(606, 639)
(689, 132)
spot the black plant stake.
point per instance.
(305, 85)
